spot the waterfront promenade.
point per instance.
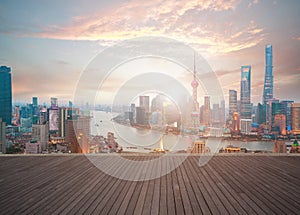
(227, 184)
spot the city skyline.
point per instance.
(48, 50)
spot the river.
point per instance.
(138, 140)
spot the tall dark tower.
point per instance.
(5, 94)
(268, 84)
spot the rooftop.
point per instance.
(71, 184)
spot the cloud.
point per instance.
(61, 62)
(193, 21)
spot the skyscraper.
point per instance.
(35, 101)
(268, 84)
(206, 117)
(54, 104)
(232, 103)
(5, 95)
(245, 92)
(269, 109)
(286, 110)
(144, 102)
(295, 109)
(2, 137)
(222, 112)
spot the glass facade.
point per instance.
(268, 84)
(232, 103)
(5, 95)
(245, 92)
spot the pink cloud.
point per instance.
(161, 18)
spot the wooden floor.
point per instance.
(226, 185)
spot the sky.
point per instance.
(48, 44)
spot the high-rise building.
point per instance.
(245, 92)
(268, 84)
(215, 114)
(279, 125)
(235, 127)
(2, 137)
(245, 126)
(53, 121)
(157, 103)
(35, 110)
(132, 113)
(206, 113)
(62, 117)
(286, 110)
(222, 113)
(77, 134)
(276, 109)
(142, 117)
(260, 114)
(232, 103)
(41, 135)
(295, 109)
(35, 101)
(54, 104)
(270, 108)
(144, 102)
(5, 95)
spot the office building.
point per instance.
(5, 95)
(260, 114)
(54, 104)
(53, 120)
(2, 137)
(268, 83)
(271, 106)
(156, 104)
(77, 134)
(215, 114)
(276, 109)
(286, 110)
(295, 110)
(233, 106)
(64, 114)
(222, 113)
(41, 135)
(235, 126)
(132, 114)
(245, 126)
(245, 112)
(144, 103)
(35, 101)
(279, 124)
(206, 112)
(142, 116)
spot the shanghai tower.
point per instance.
(268, 84)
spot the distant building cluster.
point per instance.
(35, 128)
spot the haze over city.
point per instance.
(149, 107)
(48, 44)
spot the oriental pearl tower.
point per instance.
(195, 112)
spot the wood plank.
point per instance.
(250, 184)
(263, 197)
(209, 187)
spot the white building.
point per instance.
(245, 126)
